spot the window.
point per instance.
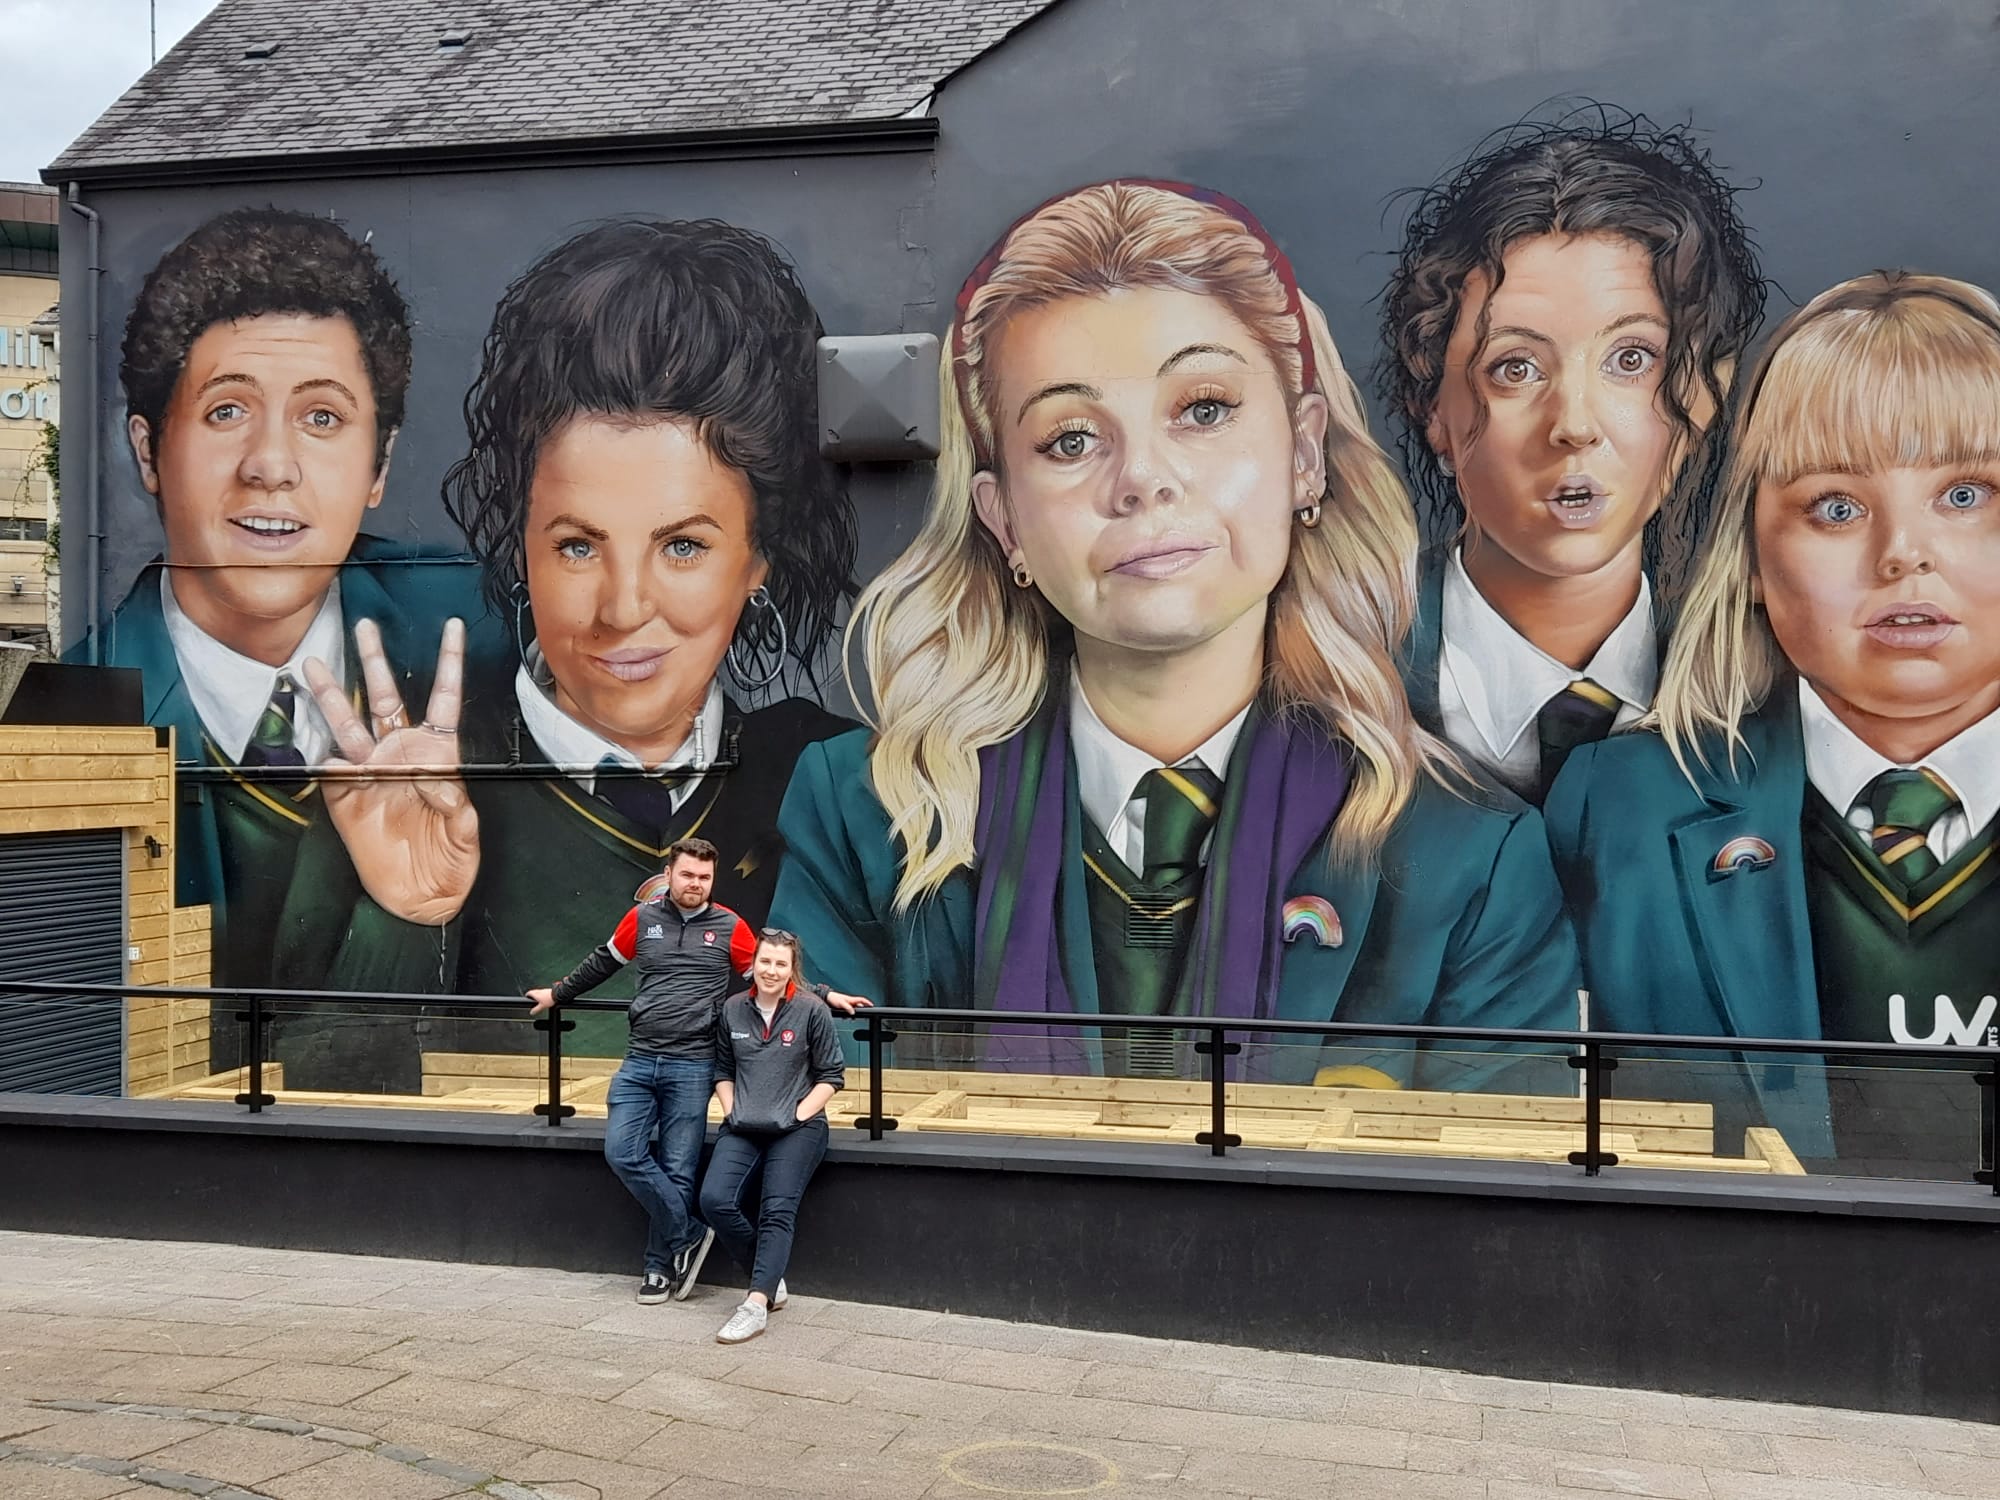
(22, 529)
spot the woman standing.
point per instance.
(1140, 745)
(1562, 326)
(777, 1063)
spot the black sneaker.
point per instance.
(655, 1288)
(687, 1264)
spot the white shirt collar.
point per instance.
(1504, 679)
(1840, 765)
(577, 748)
(1108, 771)
(230, 691)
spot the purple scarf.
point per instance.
(1285, 784)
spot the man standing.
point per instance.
(689, 952)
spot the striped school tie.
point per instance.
(1580, 714)
(643, 800)
(274, 741)
(1181, 805)
(1904, 806)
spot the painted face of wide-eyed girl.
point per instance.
(1554, 424)
(1883, 589)
(1149, 465)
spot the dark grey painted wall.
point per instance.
(1862, 127)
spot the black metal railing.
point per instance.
(1215, 1040)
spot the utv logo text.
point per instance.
(1947, 1026)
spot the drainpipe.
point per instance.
(93, 519)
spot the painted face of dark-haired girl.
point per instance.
(639, 564)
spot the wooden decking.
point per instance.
(1389, 1122)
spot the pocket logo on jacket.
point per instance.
(785, 1037)
(1746, 853)
(656, 931)
(708, 938)
(1314, 917)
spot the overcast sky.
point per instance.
(62, 62)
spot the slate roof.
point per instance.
(370, 75)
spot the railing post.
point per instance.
(255, 1097)
(553, 1109)
(1217, 1049)
(1989, 1135)
(1594, 1065)
(874, 1033)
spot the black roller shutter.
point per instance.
(62, 918)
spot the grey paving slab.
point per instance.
(574, 1424)
(320, 1384)
(22, 1480)
(350, 1476)
(1485, 1461)
(115, 1435)
(241, 1455)
(571, 1476)
(180, 1372)
(1632, 1476)
(712, 1403)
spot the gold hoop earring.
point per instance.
(1309, 516)
(1022, 577)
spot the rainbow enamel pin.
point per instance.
(652, 888)
(1746, 853)
(1312, 916)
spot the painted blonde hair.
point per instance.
(958, 658)
(1889, 370)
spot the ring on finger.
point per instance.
(431, 728)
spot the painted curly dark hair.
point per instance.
(1590, 170)
(696, 321)
(260, 262)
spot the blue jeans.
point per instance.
(658, 1109)
(763, 1247)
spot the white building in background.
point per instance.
(30, 402)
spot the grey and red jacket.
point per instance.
(774, 1067)
(686, 960)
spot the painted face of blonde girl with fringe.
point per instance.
(1148, 467)
(1877, 538)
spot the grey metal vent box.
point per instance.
(878, 397)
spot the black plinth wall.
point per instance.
(1870, 1295)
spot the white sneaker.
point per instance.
(744, 1324)
(783, 1296)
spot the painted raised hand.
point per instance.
(414, 839)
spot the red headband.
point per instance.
(982, 273)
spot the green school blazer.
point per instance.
(1690, 904)
(409, 591)
(1460, 922)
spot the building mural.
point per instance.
(1680, 723)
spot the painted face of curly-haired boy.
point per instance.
(264, 465)
(265, 365)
